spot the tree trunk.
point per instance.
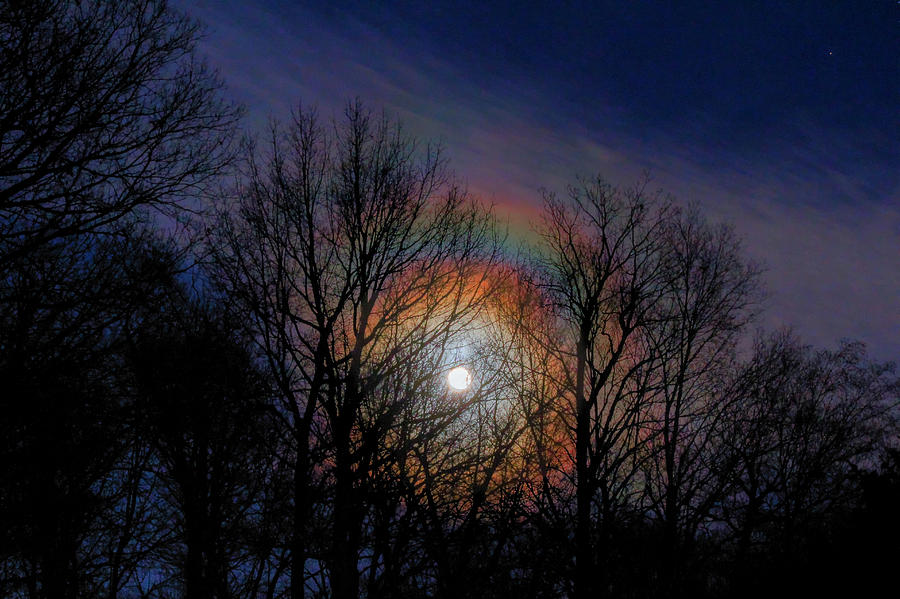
(298, 540)
(583, 554)
(671, 511)
(344, 569)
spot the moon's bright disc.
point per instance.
(459, 378)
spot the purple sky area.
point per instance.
(782, 118)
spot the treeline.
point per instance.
(223, 364)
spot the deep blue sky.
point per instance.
(780, 117)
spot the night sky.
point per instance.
(782, 118)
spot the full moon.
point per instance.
(459, 378)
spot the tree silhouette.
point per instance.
(66, 408)
(201, 403)
(709, 297)
(605, 270)
(105, 116)
(353, 255)
(266, 413)
(807, 422)
(104, 112)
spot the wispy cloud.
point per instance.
(827, 230)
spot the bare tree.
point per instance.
(351, 253)
(805, 421)
(709, 296)
(68, 458)
(104, 112)
(105, 115)
(202, 406)
(605, 270)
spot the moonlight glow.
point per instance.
(459, 378)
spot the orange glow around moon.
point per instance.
(459, 378)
